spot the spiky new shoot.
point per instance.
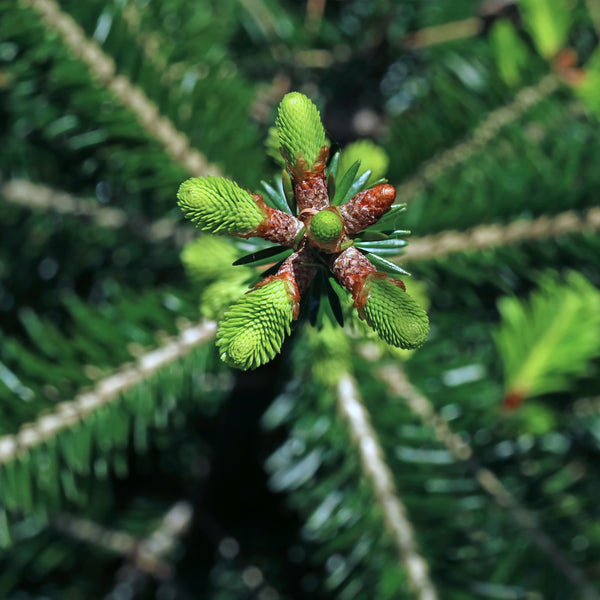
(253, 329)
(217, 297)
(301, 132)
(218, 205)
(392, 313)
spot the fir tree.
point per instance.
(135, 463)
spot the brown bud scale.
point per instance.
(311, 192)
(302, 169)
(298, 269)
(366, 208)
(295, 270)
(279, 227)
(351, 269)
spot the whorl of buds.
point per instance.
(219, 205)
(301, 132)
(253, 329)
(298, 214)
(392, 313)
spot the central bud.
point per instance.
(325, 229)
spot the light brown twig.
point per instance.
(103, 68)
(67, 414)
(400, 386)
(379, 476)
(483, 237)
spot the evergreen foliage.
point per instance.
(544, 343)
(372, 158)
(135, 464)
(548, 23)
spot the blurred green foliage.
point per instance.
(480, 129)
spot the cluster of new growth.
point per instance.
(322, 236)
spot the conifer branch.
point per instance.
(458, 30)
(399, 385)
(152, 42)
(84, 530)
(439, 245)
(378, 474)
(483, 237)
(440, 34)
(32, 195)
(37, 196)
(70, 413)
(481, 136)
(145, 554)
(103, 68)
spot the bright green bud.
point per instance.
(220, 295)
(371, 157)
(393, 314)
(253, 329)
(208, 257)
(301, 133)
(219, 205)
(326, 227)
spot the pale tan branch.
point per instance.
(439, 245)
(114, 541)
(440, 34)
(457, 30)
(31, 195)
(482, 135)
(379, 476)
(148, 554)
(36, 196)
(315, 10)
(68, 414)
(160, 543)
(400, 386)
(103, 68)
(483, 237)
